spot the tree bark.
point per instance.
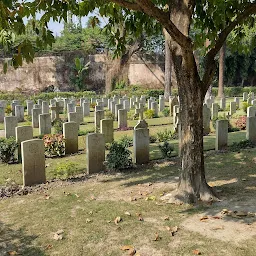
(192, 185)
(221, 71)
(168, 71)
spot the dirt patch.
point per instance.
(214, 224)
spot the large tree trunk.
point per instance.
(221, 71)
(168, 70)
(192, 185)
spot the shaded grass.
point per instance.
(87, 210)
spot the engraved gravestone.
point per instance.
(70, 133)
(33, 162)
(45, 124)
(10, 122)
(95, 148)
(23, 133)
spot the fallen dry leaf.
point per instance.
(88, 220)
(140, 218)
(204, 218)
(128, 213)
(117, 220)
(12, 253)
(196, 252)
(173, 230)
(47, 197)
(58, 235)
(126, 247)
(218, 228)
(49, 246)
(132, 252)
(157, 237)
(166, 218)
(216, 217)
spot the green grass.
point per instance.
(86, 210)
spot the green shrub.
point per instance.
(29, 118)
(8, 110)
(165, 135)
(155, 93)
(109, 115)
(149, 114)
(245, 105)
(7, 149)
(166, 112)
(65, 170)
(120, 85)
(58, 126)
(152, 138)
(54, 145)
(119, 157)
(236, 146)
(126, 141)
(130, 114)
(166, 149)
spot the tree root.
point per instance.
(182, 196)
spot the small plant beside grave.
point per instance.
(65, 170)
(8, 110)
(245, 105)
(54, 145)
(166, 112)
(166, 149)
(126, 141)
(109, 115)
(149, 114)
(165, 135)
(119, 157)
(237, 146)
(241, 123)
(7, 150)
(58, 126)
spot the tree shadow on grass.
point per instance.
(16, 242)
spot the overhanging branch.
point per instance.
(161, 16)
(249, 10)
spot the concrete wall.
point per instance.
(55, 70)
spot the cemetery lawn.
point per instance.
(84, 211)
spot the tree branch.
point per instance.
(161, 16)
(249, 10)
(126, 4)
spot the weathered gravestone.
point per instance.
(70, 133)
(237, 101)
(251, 129)
(35, 117)
(45, 107)
(117, 107)
(33, 162)
(245, 96)
(45, 124)
(107, 129)
(95, 149)
(251, 111)
(141, 145)
(215, 110)
(80, 117)
(86, 108)
(2, 114)
(223, 103)
(10, 122)
(221, 141)
(232, 108)
(98, 115)
(161, 103)
(173, 102)
(19, 112)
(154, 107)
(30, 105)
(206, 119)
(23, 133)
(122, 118)
(73, 117)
